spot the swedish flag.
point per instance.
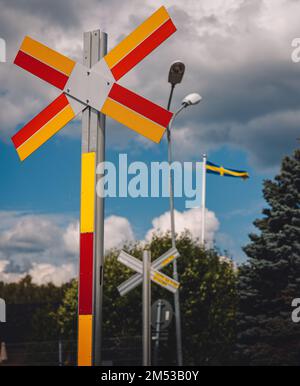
(221, 171)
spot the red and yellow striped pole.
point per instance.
(87, 221)
(91, 221)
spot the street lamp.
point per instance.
(189, 100)
(176, 73)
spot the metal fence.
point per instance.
(116, 352)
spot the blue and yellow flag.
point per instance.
(221, 171)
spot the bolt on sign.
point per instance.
(155, 274)
(94, 89)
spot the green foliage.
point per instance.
(207, 294)
(28, 309)
(66, 314)
(30, 332)
(270, 280)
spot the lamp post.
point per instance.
(189, 100)
(176, 73)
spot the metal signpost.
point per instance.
(162, 315)
(146, 273)
(175, 76)
(92, 219)
(146, 309)
(92, 88)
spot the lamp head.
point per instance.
(176, 72)
(191, 99)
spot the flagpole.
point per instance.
(203, 206)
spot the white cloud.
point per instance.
(45, 273)
(189, 220)
(118, 231)
(8, 277)
(71, 238)
(47, 246)
(30, 238)
(40, 273)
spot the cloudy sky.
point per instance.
(238, 57)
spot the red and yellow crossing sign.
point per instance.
(47, 123)
(96, 89)
(44, 62)
(140, 43)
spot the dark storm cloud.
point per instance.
(58, 12)
(250, 86)
(237, 55)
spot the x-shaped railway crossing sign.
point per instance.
(96, 87)
(155, 274)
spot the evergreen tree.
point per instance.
(271, 279)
